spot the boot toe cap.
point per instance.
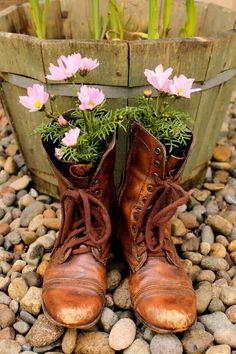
(169, 312)
(72, 307)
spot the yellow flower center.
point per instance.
(180, 91)
(91, 103)
(37, 103)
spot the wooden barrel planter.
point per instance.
(210, 58)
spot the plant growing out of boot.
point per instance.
(80, 146)
(161, 292)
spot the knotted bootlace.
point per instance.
(85, 224)
(163, 202)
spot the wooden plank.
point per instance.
(112, 55)
(6, 24)
(223, 56)
(54, 24)
(21, 54)
(177, 53)
(218, 19)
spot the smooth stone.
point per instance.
(34, 253)
(17, 289)
(14, 306)
(219, 349)
(231, 313)
(108, 319)
(4, 228)
(69, 341)
(10, 166)
(52, 223)
(216, 305)
(206, 275)
(232, 246)
(47, 241)
(215, 321)
(4, 299)
(205, 248)
(32, 301)
(229, 198)
(33, 279)
(166, 344)
(228, 295)
(189, 220)
(194, 257)
(7, 317)
(14, 237)
(113, 279)
(214, 187)
(46, 348)
(196, 341)
(139, 346)
(218, 285)
(214, 263)
(207, 234)
(204, 296)
(221, 166)
(219, 224)
(43, 332)
(21, 183)
(33, 209)
(122, 334)
(121, 295)
(9, 199)
(218, 250)
(27, 317)
(222, 153)
(93, 343)
(4, 282)
(226, 336)
(201, 195)
(21, 327)
(18, 266)
(178, 228)
(28, 237)
(191, 245)
(222, 240)
(9, 346)
(7, 333)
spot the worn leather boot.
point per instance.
(75, 279)
(161, 292)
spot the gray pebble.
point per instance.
(21, 327)
(27, 317)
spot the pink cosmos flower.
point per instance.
(90, 97)
(87, 65)
(71, 137)
(159, 78)
(36, 98)
(67, 67)
(182, 86)
(58, 154)
(62, 121)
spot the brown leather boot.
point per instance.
(161, 292)
(75, 279)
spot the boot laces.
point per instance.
(85, 224)
(163, 202)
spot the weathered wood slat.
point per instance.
(113, 58)
(21, 54)
(187, 56)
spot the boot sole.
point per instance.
(91, 324)
(160, 330)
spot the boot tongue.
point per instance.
(173, 164)
(78, 174)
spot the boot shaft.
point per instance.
(149, 177)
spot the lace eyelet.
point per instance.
(144, 199)
(97, 192)
(135, 215)
(157, 163)
(150, 188)
(158, 151)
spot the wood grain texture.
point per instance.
(113, 58)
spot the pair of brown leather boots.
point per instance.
(75, 280)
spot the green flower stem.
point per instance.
(166, 17)
(39, 19)
(86, 121)
(152, 20)
(45, 18)
(96, 19)
(113, 19)
(190, 24)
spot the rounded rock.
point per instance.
(17, 289)
(122, 334)
(139, 346)
(219, 349)
(9, 346)
(166, 344)
(69, 341)
(7, 317)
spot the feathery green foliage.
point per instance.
(90, 145)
